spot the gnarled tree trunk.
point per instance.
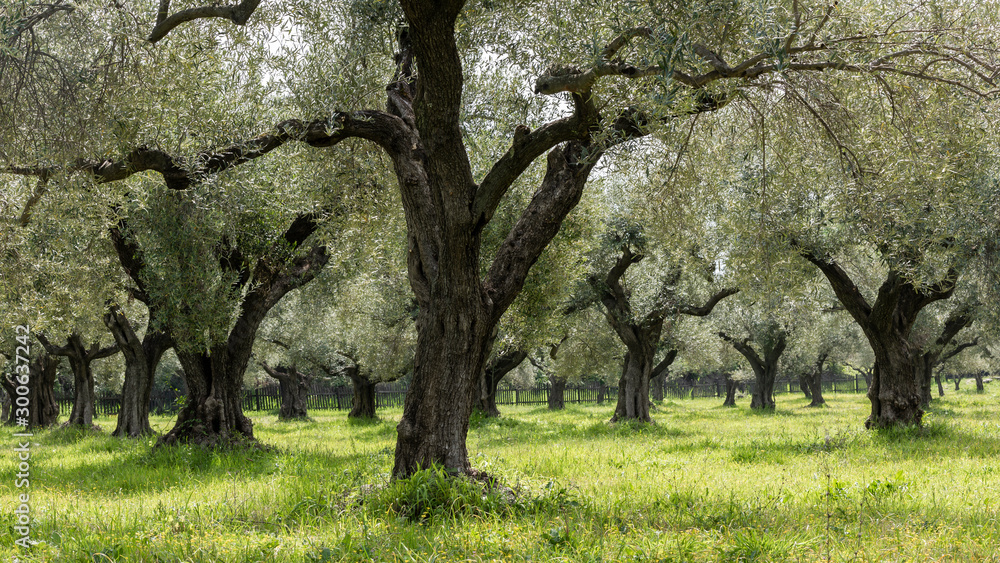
(633, 386)
(804, 384)
(363, 405)
(293, 390)
(212, 414)
(557, 393)
(893, 392)
(816, 382)
(979, 375)
(80, 358)
(765, 369)
(141, 359)
(730, 391)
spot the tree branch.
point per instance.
(845, 289)
(238, 14)
(181, 173)
(705, 309)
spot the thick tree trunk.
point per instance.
(816, 382)
(212, 414)
(923, 367)
(730, 391)
(363, 405)
(765, 369)
(657, 385)
(141, 359)
(293, 391)
(453, 337)
(43, 410)
(633, 386)
(894, 394)
(763, 390)
(979, 381)
(80, 358)
(495, 371)
(557, 392)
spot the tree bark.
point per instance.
(816, 382)
(495, 371)
(937, 378)
(212, 414)
(363, 405)
(730, 391)
(894, 395)
(293, 390)
(979, 381)
(43, 410)
(141, 359)
(958, 381)
(80, 358)
(804, 384)
(925, 361)
(557, 393)
(765, 369)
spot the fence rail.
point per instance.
(268, 399)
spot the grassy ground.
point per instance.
(705, 483)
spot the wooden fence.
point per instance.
(392, 395)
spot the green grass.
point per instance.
(705, 483)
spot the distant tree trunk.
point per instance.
(658, 377)
(804, 384)
(5, 400)
(213, 414)
(937, 378)
(765, 369)
(141, 359)
(730, 391)
(557, 390)
(363, 405)
(816, 382)
(886, 323)
(493, 374)
(43, 410)
(958, 381)
(293, 388)
(979, 381)
(640, 336)
(80, 358)
(958, 319)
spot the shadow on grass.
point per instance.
(135, 467)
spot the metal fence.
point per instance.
(393, 394)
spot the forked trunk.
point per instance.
(557, 393)
(212, 414)
(958, 382)
(141, 359)
(80, 358)
(495, 371)
(633, 386)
